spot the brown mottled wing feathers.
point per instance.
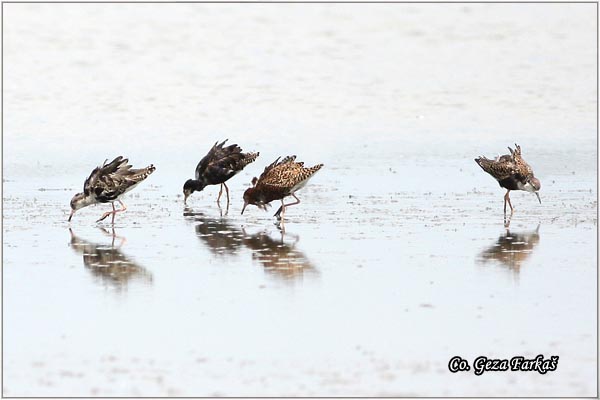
(521, 167)
(111, 180)
(286, 173)
(507, 165)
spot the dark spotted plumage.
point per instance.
(107, 183)
(512, 173)
(280, 179)
(218, 166)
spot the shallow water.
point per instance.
(397, 257)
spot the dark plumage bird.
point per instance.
(280, 179)
(107, 183)
(512, 173)
(218, 166)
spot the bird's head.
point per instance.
(248, 198)
(534, 185)
(79, 201)
(191, 186)
(252, 196)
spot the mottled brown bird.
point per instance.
(279, 180)
(219, 165)
(512, 173)
(107, 183)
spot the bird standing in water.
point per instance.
(218, 166)
(278, 180)
(512, 173)
(107, 183)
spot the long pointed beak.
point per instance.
(243, 208)
(538, 196)
(71, 216)
(185, 197)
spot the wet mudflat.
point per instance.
(397, 258)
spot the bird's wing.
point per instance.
(96, 179)
(112, 180)
(501, 168)
(287, 175)
(206, 160)
(272, 170)
(521, 167)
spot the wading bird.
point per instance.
(512, 173)
(218, 166)
(280, 179)
(107, 183)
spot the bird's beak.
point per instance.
(243, 208)
(538, 196)
(71, 216)
(185, 196)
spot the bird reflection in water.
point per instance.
(279, 257)
(221, 237)
(512, 249)
(107, 263)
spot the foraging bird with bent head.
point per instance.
(107, 183)
(218, 166)
(512, 173)
(278, 180)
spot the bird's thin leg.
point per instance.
(278, 213)
(285, 206)
(292, 204)
(505, 200)
(509, 203)
(123, 208)
(227, 192)
(220, 192)
(106, 214)
(282, 226)
(507, 220)
(279, 210)
(114, 211)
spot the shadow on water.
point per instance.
(279, 257)
(511, 249)
(221, 237)
(107, 263)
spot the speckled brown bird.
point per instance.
(219, 165)
(107, 183)
(279, 180)
(512, 173)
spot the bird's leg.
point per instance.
(285, 206)
(106, 214)
(507, 221)
(123, 208)
(509, 203)
(227, 192)
(220, 192)
(114, 211)
(507, 199)
(278, 213)
(291, 204)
